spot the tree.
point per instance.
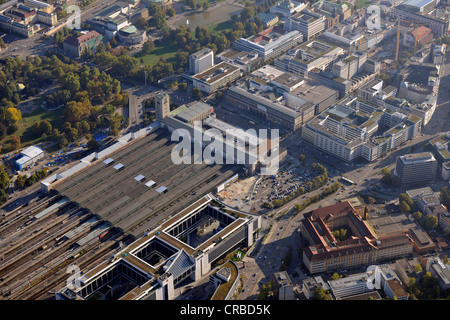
(3, 196)
(371, 200)
(4, 178)
(12, 115)
(445, 196)
(20, 182)
(247, 13)
(72, 83)
(320, 294)
(148, 47)
(221, 42)
(336, 276)
(431, 222)
(404, 197)
(170, 12)
(15, 142)
(196, 94)
(404, 207)
(417, 215)
(418, 268)
(302, 158)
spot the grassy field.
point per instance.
(221, 26)
(166, 50)
(362, 3)
(27, 138)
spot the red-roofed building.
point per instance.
(422, 35)
(326, 253)
(75, 46)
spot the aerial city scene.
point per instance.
(224, 150)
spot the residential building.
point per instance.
(416, 169)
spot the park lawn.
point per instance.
(27, 138)
(362, 3)
(162, 49)
(221, 26)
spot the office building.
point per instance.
(281, 97)
(416, 169)
(270, 42)
(325, 253)
(216, 77)
(445, 171)
(201, 61)
(283, 286)
(358, 130)
(309, 24)
(314, 54)
(350, 286)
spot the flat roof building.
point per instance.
(29, 156)
(416, 169)
(201, 60)
(309, 24)
(270, 42)
(218, 76)
(314, 54)
(163, 259)
(326, 253)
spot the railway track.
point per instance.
(53, 279)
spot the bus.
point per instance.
(346, 180)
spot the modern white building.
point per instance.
(270, 42)
(309, 24)
(350, 286)
(28, 156)
(201, 60)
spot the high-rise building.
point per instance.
(201, 61)
(308, 23)
(162, 105)
(416, 168)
